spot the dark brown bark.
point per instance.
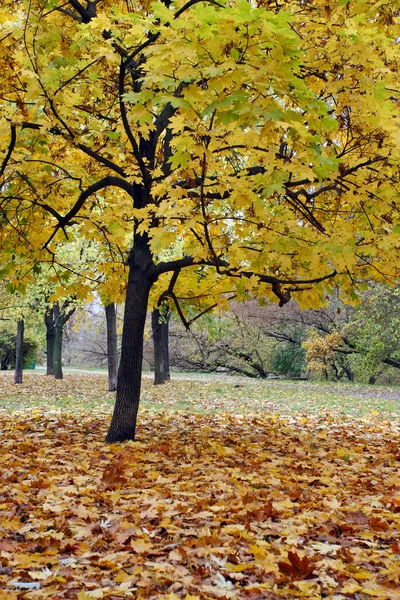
(157, 329)
(58, 333)
(55, 319)
(141, 278)
(19, 355)
(165, 344)
(50, 334)
(112, 352)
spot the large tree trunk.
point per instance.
(50, 335)
(157, 328)
(112, 352)
(140, 280)
(19, 354)
(165, 344)
(58, 330)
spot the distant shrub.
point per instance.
(7, 350)
(288, 359)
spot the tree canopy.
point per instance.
(255, 140)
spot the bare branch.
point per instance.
(192, 3)
(77, 74)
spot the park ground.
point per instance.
(234, 489)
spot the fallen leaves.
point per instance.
(200, 507)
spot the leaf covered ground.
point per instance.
(248, 504)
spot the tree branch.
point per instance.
(92, 189)
(11, 147)
(82, 12)
(192, 3)
(93, 154)
(127, 127)
(104, 161)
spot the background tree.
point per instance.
(61, 315)
(19, 351)
(8, 344)
(159, 325)
(321, 351)
(373, 333)
(20, 331)
(112, 346)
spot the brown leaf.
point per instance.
(113, 476)
(378, 524)
(358, 518)
(298, 567)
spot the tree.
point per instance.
(367, 334)
(19, 338)
(55, 287)
(112, 350)
(372, 332)
(321, 351)
(273, 161)
(61, 316)
(8, 344)
(288, 359)
(246, 338)
(233, 341)
(55, 319)
(19, 352)
(50, 336)
(158, 344)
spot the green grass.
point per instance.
(279, 397)
(88, 391)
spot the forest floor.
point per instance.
(235, 489)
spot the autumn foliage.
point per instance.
(255, 145)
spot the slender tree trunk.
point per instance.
(165, 344)
(157, 328)
(50, 335)
(5, 361)
(112, 353)
(140, 280)
(58, 330)
(349, 373)
(19, 355)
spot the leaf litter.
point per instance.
(203, 505)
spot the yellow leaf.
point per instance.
(239, 568)
(286, 430)
(322, 434)
(83, 595)
(341, 453)
(115, 497)
(140, 546)
(222, 450)
(89, 595)
(307, 588)
(350, 588)
(122, 577)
